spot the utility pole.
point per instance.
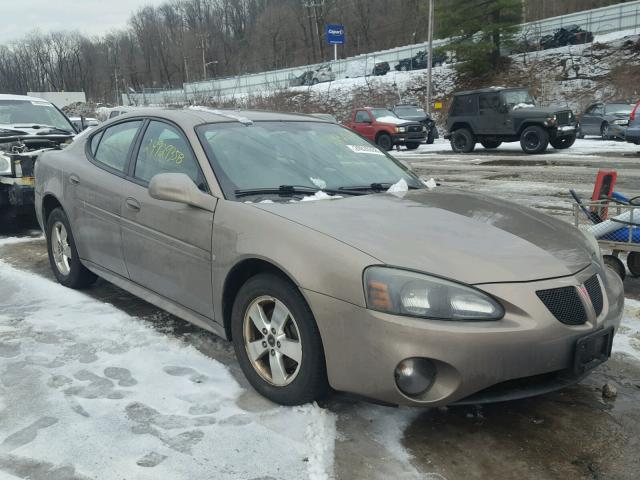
(115, 74)
(430, 57)
(204, 62)
(186, 70)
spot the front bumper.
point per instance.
(410, 137)
(565, 130)
(618, 131)
(363, 347)
(16, 194)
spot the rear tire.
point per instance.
(462, 141)
(633, 263)
(385, 141)
(412, 145)
(298, 382)
(63, 255)
(615, 264)
(534, 139)
(490, 144)
(561, 143)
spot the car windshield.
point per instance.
(32, 112)
(513, 98)
(381, 113)
(618, 108)
(410, 111)
(301, 154)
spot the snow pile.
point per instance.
(92, 392)
(319, 195)
(400, 187)
(627, 339)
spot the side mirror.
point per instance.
(178, 187)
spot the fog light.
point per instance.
(414, 376)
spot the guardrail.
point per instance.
(614, 18)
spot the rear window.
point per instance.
(464, 105)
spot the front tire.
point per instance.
(561, 143)
(412, 145)
(63, 255)
(462, 141)
(534, 139)
(604, 131)
(385, 142)
(277, 341)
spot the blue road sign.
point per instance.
(335, 34)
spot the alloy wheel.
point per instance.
(272, 340)
(60, 248)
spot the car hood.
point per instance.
(529, 112)
(394, 121)
(414, 118)
(467, 237)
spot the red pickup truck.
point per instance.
(386, 129)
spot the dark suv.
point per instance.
(414, 113)
(495, 115)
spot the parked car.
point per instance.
(386, 129)
(420, 60)
(607, 120)
(28, 125)
(495, 115)
(632, 135)
(381, 68)
(411, 297)
(415, 113)
(571, 35)
(312, 77)
(81, 123)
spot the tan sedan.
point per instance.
(276, 231)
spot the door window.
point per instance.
(115, 144)
(164, 149)
(489, 103)
(362, 117)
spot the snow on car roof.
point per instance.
(5, 96)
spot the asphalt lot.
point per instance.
(575, 433)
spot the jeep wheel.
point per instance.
(462, 141)
(604, 131)
(385, 142)
(561, 143)
(534, 139)
(412, 145)
(490, 143)
(431, 136)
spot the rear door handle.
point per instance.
(74, 179)
(132, 204)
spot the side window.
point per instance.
(362, 116)
(592, 109)
(95, 140)
(599, 110)
(114, 146)
(164, 149)
(464, 105)
(489, 102)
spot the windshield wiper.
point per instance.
(374, 187)
(10, 132)
(291, 190)
(49, 129)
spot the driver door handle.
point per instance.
(74, 179)
(132, 204)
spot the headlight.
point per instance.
(5, 165)
(551, 120)
(424, 128)
(415, 294)
(401, 129)
(621, 122)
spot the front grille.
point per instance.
(415, 128)
(563, 118)
(565, 304)
(595, 293)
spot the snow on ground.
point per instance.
(627, 340)
(86, 391)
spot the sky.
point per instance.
(92, 17)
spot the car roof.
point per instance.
(488, 90)
(4, 96)
(199, 115)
